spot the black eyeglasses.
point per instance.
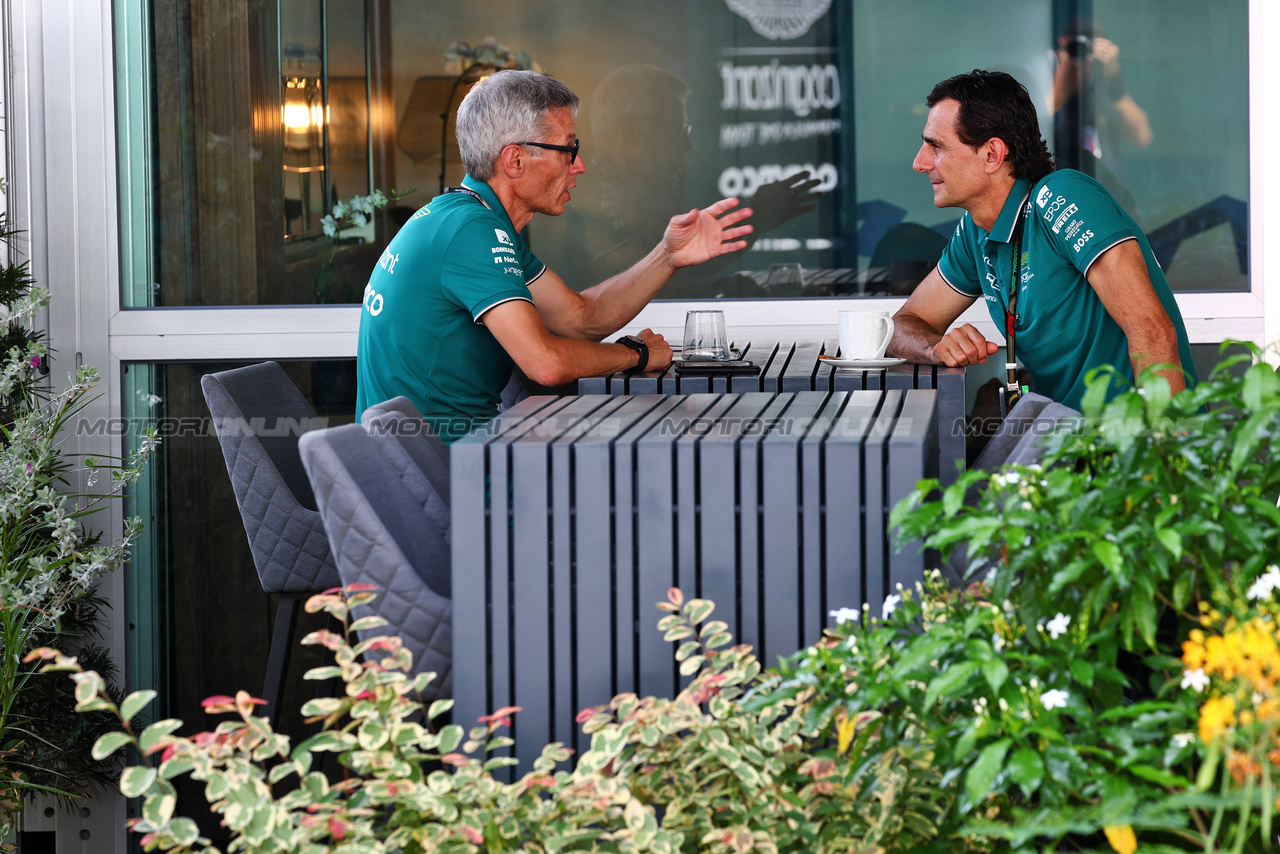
(571, 149)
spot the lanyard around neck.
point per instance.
(470, 192)
(1011, 306)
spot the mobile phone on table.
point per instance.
(735, 366)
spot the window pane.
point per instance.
(268, 114)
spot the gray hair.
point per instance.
(507, 107)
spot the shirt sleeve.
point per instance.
(959, 266)
(1080, 218)
(484, 266)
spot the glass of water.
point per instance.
(705, 339)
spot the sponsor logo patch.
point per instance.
(1063, 217)
(1043, 197)
(1054, 208)
(503, 237)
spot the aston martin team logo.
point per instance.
(780, 19)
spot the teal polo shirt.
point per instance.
(420, 330)
(1063, 329)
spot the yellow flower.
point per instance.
(1193, 653)
(1215, 716)
(844, 732)
(1121, 838)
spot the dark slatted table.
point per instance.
(572, 516)
(794, 366)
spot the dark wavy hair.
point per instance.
(993, 104)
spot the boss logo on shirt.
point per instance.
(503, 237)
(1043, 198)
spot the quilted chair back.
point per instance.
(399, 419)
(375, 502)
(258, 415)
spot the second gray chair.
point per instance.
(383, 519)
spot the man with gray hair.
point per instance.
(458, 299)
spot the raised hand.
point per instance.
(782, 200)
(701, 235)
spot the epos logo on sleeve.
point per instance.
(1053, 209)
(503, 237)
(1043, 197)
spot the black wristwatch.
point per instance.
(639, 346)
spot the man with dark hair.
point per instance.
(458, 299)
(1067, 275)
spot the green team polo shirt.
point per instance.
(1063, 328)
(420, 331)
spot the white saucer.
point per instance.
(864, 364)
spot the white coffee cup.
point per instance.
(864, 334)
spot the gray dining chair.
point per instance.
(1018, 441)
(383, 520)
(399, 419)
(258, 415)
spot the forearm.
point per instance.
(1160, 347)
(563, 360)
(914, 339)
(612, 304)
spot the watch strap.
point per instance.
(635, 343)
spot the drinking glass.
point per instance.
(705, 339)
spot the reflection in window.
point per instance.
(279, 109)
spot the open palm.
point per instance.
(701, 235)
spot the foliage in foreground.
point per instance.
(695, 773)
(48, 562)
(1044, 707)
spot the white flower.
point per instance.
(1054, 699)
(1264, 585)
(1196, 680)
(997, 642)
(1004, 704)
(1182, 739)
(1058, 625)
(844, 615)
(890, 604)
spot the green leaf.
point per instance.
(995, 671)
(450, 737)
(697, 610)
(1082, 670)
(156, 731)
(1026, 768)
(1182, 586)
(687, 649)
(1157, 393)
(135, 703)
(109, 744)
(438, 708)
(135, 780)
(1109, 554)
(690, 665)
(1144, 614)
(173, 767)
(1209, 768)
(985, 770)
(1260, 387)
(370, 622)
(1171, 540)
(157, 809)
(954, 678)
(1159, 775)
(184, 830)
